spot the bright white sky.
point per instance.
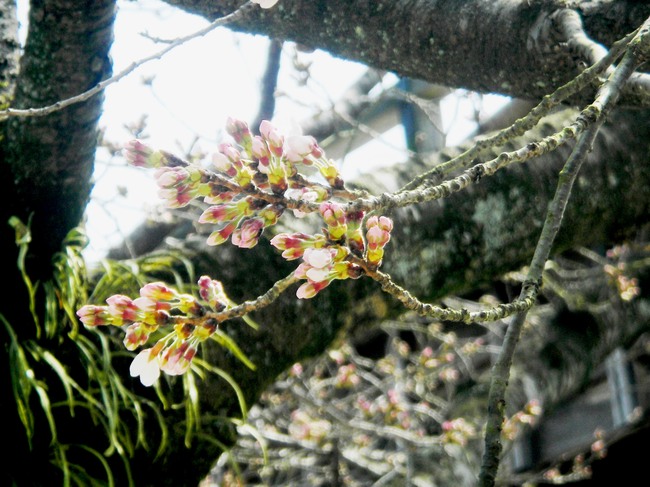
(193, 90)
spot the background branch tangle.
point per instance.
(429, 186)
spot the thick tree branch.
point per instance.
(449, 43)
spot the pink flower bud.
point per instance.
(213, 293)
(176, 359)
(334, 216)
(218, 214)
(231, 153)
(297, 147)
(122, 309)
(272, 136)
(222, 235)
(310, 289)
(259, 149)
(295, 244)
(239, 130)
(248, 235)
(139, 154)
(137, 335)
(223, 164)
(157, 291)
(91, 315)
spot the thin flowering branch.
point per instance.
(478, 171)
(187, 321)
(638, 52)
(260, 302)
(101, 86)
(524, 124)
(524, 302)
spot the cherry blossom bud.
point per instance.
(139, 154)
(272, 136)
(298, 147)
(294, 244)
(91, 315)
(157, 291)
(229, 212)
(167, 177)
(223, 164)
(310, 289)
(334, 216)
(213, 293)
(222, 235)
(248, 235)
(176, 359)
(231, 153)
(377, 236)
(176, 197)
(137, 335)
(122, 309)
(259, 150)
(239, 131)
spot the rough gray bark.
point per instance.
(495, 47)
(9, 49)
(51, 158)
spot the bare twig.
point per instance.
(637, 52)
(526, 123)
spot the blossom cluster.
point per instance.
(245, 182)
(325, 256)
(161, 307)
(528, 416)
(457, 431)
(249, 186)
